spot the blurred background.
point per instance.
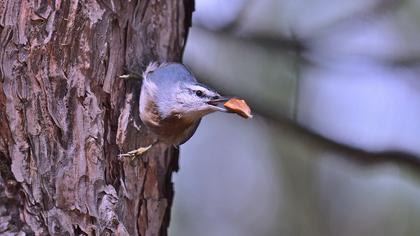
(334, 146)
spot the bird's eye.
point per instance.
(199, 93)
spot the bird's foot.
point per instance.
(135, 153)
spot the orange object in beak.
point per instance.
(239, 107)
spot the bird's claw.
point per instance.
(130, 76)
(135, 153)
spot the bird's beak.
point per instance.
(217, 104)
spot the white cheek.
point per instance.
(186, 100)
(181, 98)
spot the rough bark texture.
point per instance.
(65, 116)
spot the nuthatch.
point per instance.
(172, 104)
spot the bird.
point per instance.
(172, 103)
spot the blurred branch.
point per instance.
(270, 42)
(357, 155)
(234, 24)
(376, 11)
(296, 42)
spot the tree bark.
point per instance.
(65, 116)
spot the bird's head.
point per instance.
(175, 91)
(196, 100)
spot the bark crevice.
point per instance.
(65, 116)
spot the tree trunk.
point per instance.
(65, 116)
